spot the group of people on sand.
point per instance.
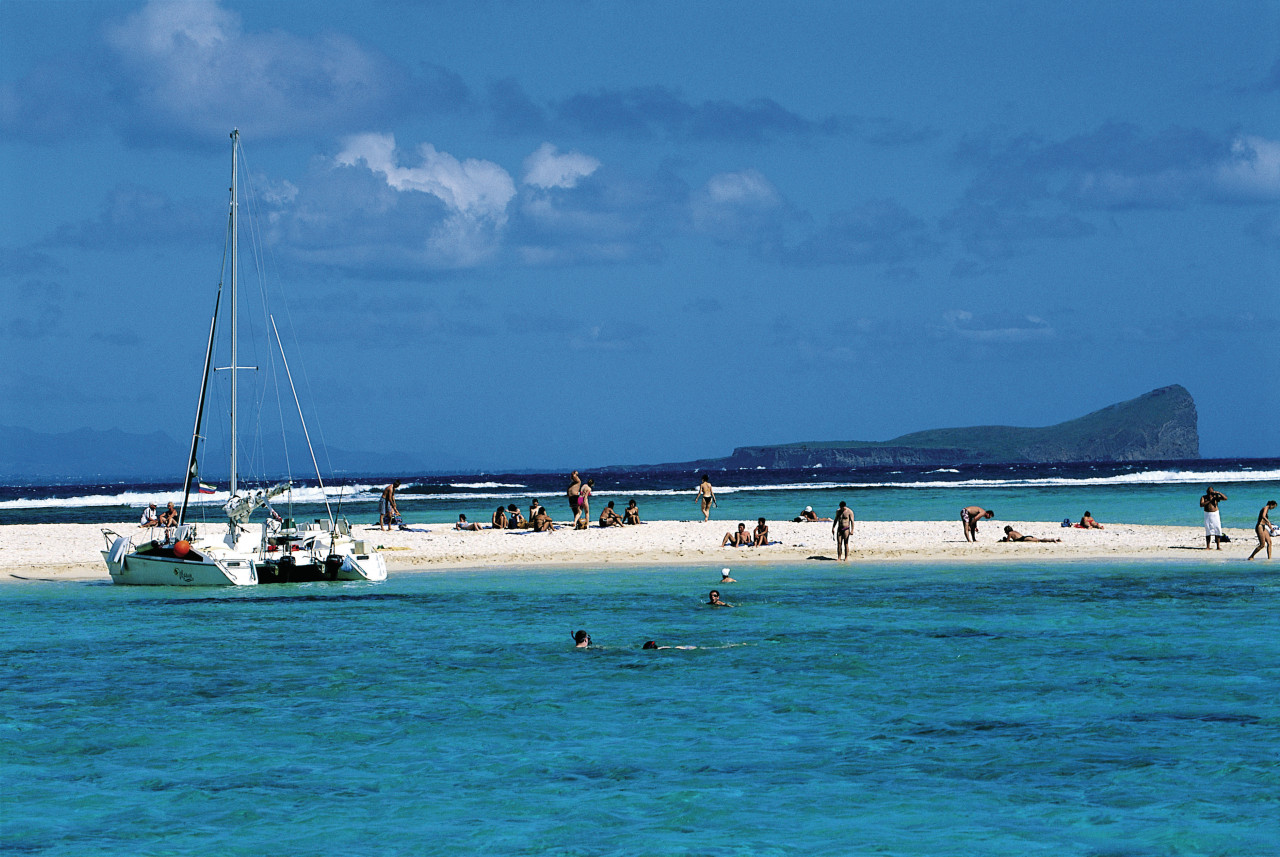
(1213, 535)
(579, 496)
(168, 518)
(511, 518)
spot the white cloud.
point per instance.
(195, 69)
(479, 190)
(547, 168)
(737, 207)
(1253, 172)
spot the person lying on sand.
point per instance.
(463, 525)
(1012, 535)
(740, 539)
(631, 514)
(760, 536)
(808, 515)
(1088, 523)
(610, 518)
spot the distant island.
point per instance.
(1158, 426)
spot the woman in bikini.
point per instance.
(1262, 530)
(707, 496)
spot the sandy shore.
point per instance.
(71, 551)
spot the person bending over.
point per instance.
(969, 517)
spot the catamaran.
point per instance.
(245, 554)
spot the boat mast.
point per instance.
(235, 265)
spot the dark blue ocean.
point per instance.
(1134, 493)
(1064, 709)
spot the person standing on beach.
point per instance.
(1263, 530)
(387, 506)
(969, 517)
(584, 505)
(575, 488)
(1212, 520)
(842, 529)
(707, 496)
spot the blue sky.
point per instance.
(531, 234)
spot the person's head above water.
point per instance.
(649, 644)
(581, 639)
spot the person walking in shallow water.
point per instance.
(1212, 520)
(1262, 530)
(707, 497)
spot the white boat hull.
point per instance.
(140, 570)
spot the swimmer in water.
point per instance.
(724, 576)
(581, 640)
(713, 600)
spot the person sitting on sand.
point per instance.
(1262, 530)
(581, 640)
(499, 521)
(713, 600)
(149, 517)
(740, 539)
(534, 508)
(969, 517)
(610, 518)
(1088, 523)
(463, 525)
(515, 520)
(760, 536)
(542, 522)
(631, 514)
(1012, 535)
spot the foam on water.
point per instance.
(1090, 709)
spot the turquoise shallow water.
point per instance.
(1073, 708)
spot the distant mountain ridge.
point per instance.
(1159, 426)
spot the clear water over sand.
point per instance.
(1078, 708)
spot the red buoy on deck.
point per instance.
(181, 548)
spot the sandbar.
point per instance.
(72, 551)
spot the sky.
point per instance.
(523, 235)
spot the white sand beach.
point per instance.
(71, 551)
